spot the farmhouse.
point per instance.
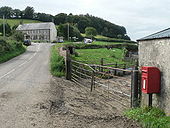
(39, 31)
(154, 50)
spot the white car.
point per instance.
(87, 40)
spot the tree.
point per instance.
(44, 17)
(73, 31)
(60, 18)
(17, 13)
(7, 29)
(90, 31)
(29, 12)
(14, 27)
(19, 36)
(6, 11)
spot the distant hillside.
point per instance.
(103, 27)
(13, 22)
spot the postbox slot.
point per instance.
(144, 71)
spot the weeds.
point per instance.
(149, 117)
(57, 64)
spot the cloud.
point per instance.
(140, 17)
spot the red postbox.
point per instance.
(150, 80)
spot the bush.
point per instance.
(114, 40)
(10, 48)
(129, 47)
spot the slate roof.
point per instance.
(162, 34)
(35, 26)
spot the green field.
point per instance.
(94, 55)
(108, 39)
(106, 43)
(13, 22)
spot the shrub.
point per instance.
(19, 36)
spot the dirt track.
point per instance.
(74, 106)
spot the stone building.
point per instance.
(39, 31)
(154, 50)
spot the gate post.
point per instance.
(92, 81)
(115, 72)
(68, 65)
(102, 62)
(134, 89)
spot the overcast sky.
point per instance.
(139, 17)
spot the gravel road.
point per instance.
(23, 81)
(31, 98)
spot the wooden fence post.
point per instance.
(102, 62)
(68, 65)
(115, 72)
(124, 68)
(134, 89)
(92, 81)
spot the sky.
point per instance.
(139, 17)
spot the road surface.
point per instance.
(22, 84)
(31, 98)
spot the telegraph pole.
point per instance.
(68, 31)
(3, 26)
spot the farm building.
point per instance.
(39, 31)
(154, 50)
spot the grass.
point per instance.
(106, 43)
(95, 55)
(103, 37)
(149, 117)
(57, 66)
(13, 22)
(11, 54)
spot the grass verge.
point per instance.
(57, 64)
(149, 117)
(11, 54)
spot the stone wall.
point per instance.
(157, 53)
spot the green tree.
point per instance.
(60, 18)
(73, 31)
(6, 11)
(17, 13)
(7, 29)
(29, 12)
(90, 31)
(43, 17)
(19, 36)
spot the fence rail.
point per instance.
(121, 83)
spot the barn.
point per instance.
(154, 50)
(39, 31)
